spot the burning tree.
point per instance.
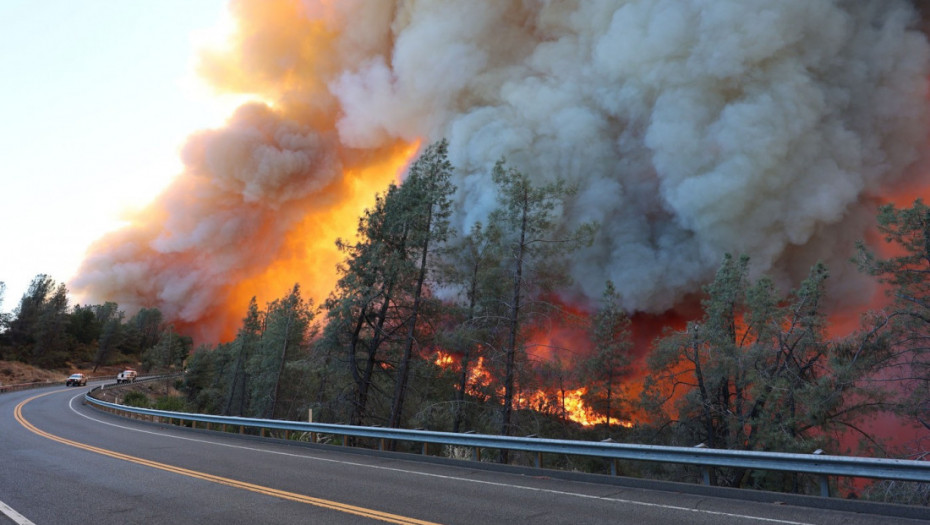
(610, 361)
(473, 263)
(756, 372)
(903, 327)
(528, 219)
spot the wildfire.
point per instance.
(570, 403)
(444, 360)
(345, 91)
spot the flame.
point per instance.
(444, 360)
(569, 403)
(479, 378)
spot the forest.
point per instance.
(427, 328)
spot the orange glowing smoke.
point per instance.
(653, 136)
(309, 255)
(260, 201)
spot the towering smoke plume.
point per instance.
(691, 128)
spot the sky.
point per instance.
(96, 98)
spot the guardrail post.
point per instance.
(476, 451)
(538, 460)
(613, 461)
(705, 470)
(824, 480)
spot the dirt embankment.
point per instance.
(151, 389)
(15, 373)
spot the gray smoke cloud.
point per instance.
(691, 127)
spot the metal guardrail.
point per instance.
(816, 464)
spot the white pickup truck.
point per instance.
(126, 376)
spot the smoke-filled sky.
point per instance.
(691, 128)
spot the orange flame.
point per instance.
(444, 360)
(569, 403)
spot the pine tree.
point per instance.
(755, 373)
(110, 318)
(473, 265)
(286, 329)
(898, 336)
(244, 346)
(362, 312)
(529, 219)
(425, 199)
(612, 338)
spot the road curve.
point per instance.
(64, 461)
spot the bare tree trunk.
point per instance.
(466, 358)
(277, 380)
(376, 339)
(400, 387)
(511, 349)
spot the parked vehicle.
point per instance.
(126, 376)
(76, 380)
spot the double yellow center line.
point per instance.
(259, 489)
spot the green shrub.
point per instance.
(136, 399)
(170, 403)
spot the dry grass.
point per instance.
(15, 373)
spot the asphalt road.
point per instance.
(61, 461)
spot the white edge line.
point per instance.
(13, 515)
(440, 476)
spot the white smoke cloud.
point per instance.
(691, 127)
